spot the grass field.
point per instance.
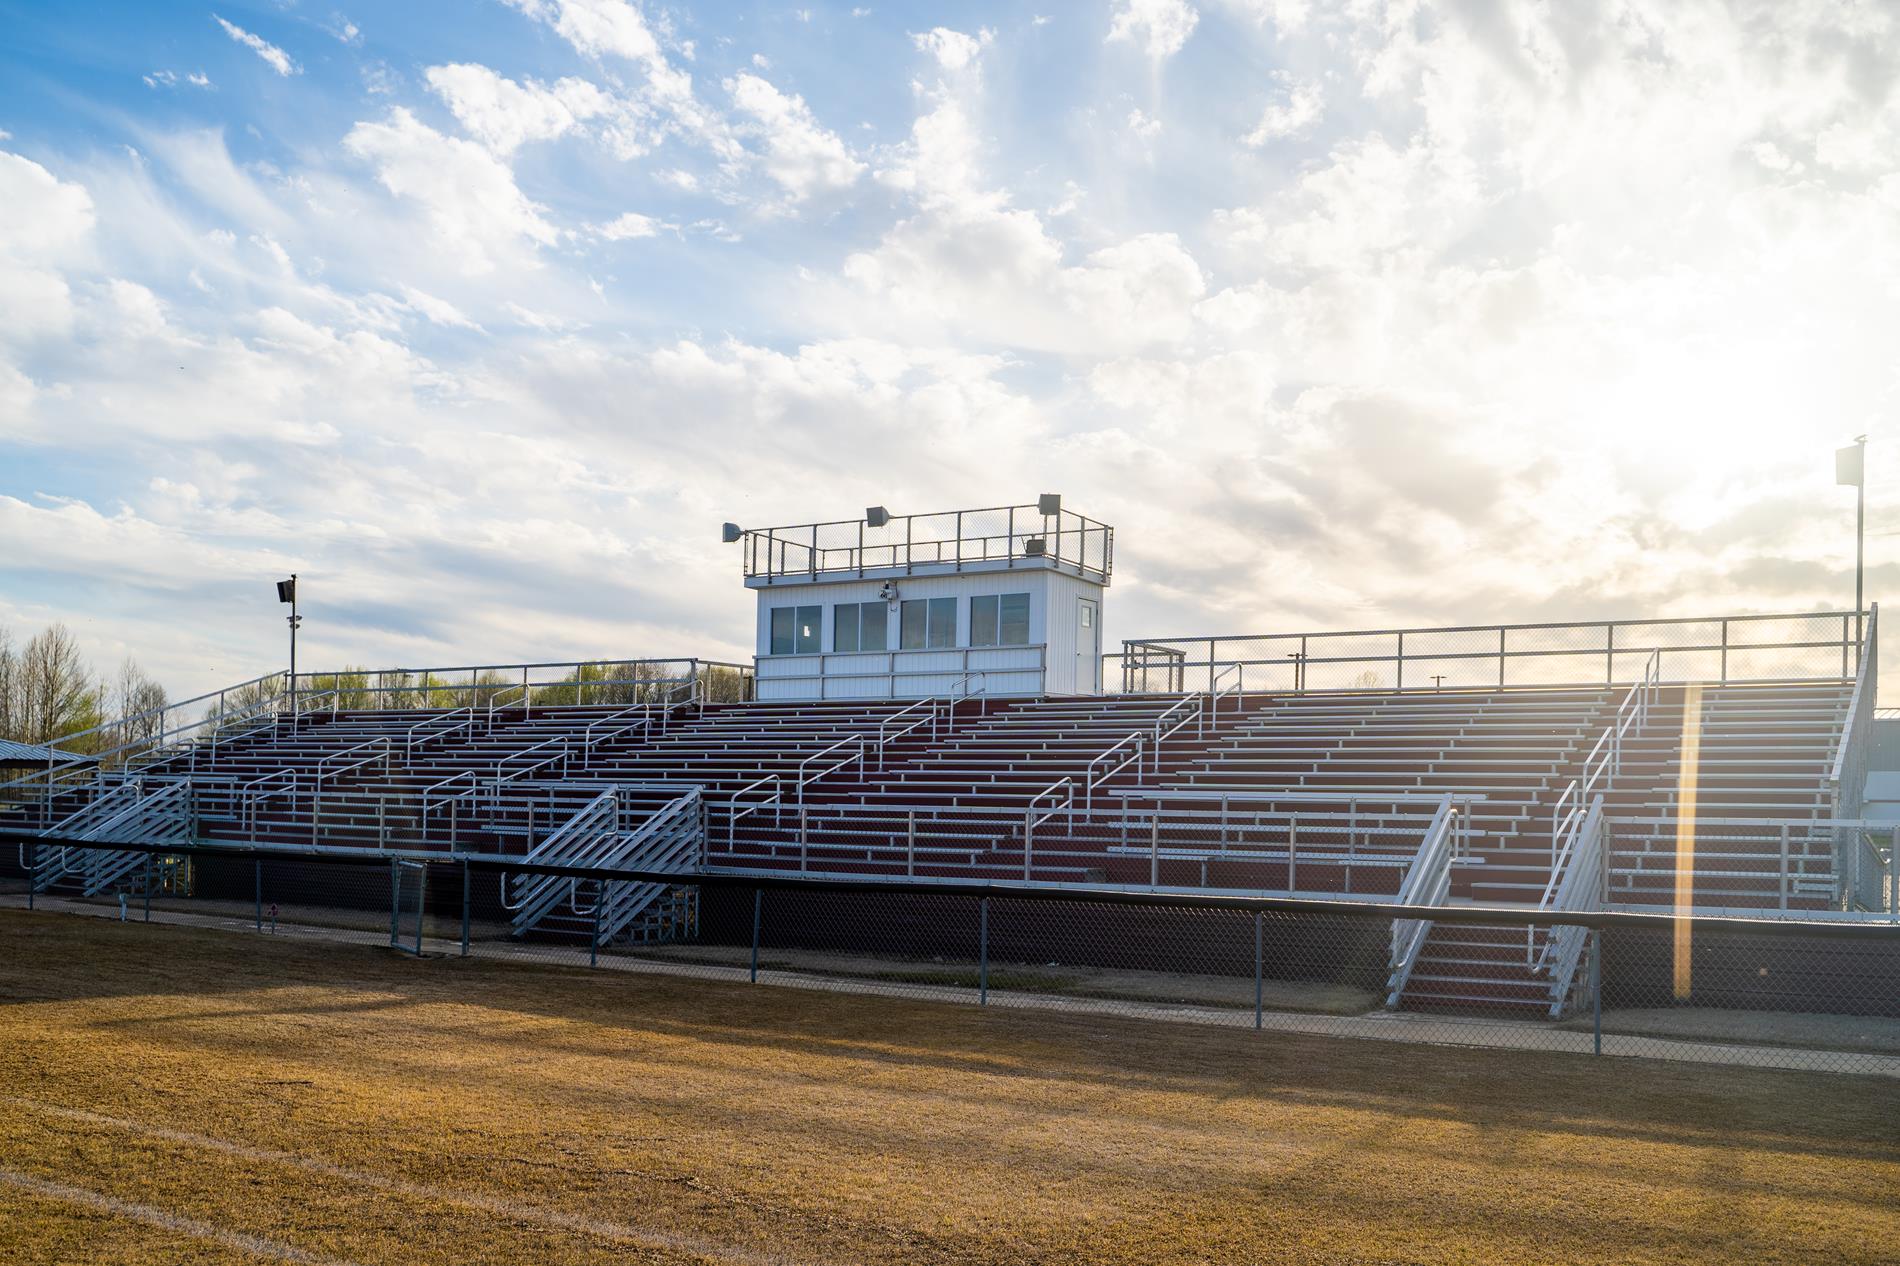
(177, 1095)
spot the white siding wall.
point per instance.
(1068, 673)
(915, 674)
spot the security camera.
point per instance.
(888, 591)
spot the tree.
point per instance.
(57, 694)
(9, 686)
(139, 704)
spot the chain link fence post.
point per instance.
(1596, 990)
(465, 904)
(150, 858)
(1259, 977)
(258, 892)
(593, 939)
(758, 902)
(983, 951)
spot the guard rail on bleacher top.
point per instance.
(1735, 648)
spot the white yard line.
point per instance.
(100, 1202)
(1516, 1035)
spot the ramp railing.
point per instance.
(601, 835)
(1427, 883)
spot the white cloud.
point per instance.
(802, 156)
(598, 27)
(276, 58)
(473, 204)
(45, 215)
(504, 115)
(1160, 27)
(440, 311)
(1293, 115)
(629, 224)
(345, 30)
(954, 50)
(1142, 126)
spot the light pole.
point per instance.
(1850, 467)
(287, 592)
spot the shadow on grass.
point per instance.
(46, 958)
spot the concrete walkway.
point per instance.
(1384, 1026)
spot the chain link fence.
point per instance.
(1818, 994)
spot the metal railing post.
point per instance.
(983, 952)
(149, 859)
(465, 892)
(395, 901)
(758, 902)
(803, 852)
(910, 847)
(1154, 849)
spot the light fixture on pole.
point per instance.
(1850, 467)
(287, 592)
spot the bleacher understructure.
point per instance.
(1548, 796)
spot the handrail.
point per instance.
(1861, 674)
(607, 804)
(1605, 760)
(804, 778)
(1427, 882)
(958, 692)
(122, 722)
(437, 729)
(1089, 775)
(777, 799)
(1216, 692)
(251, 797)
(1030, 821)
(1064, 784)
(927, 706)
(430, 798)
(1191, 708)
(645, 718)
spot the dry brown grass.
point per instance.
(451, 1111)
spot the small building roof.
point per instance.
(12, 753)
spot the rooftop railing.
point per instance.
(952, 539)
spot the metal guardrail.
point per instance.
(951, 539)
(1735, 648)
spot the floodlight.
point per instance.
(876, 516)
(1035, 546)
(287, 590)
(730, 532)
(1049, 503)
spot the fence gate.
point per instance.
(408, 892)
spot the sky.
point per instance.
(483, 316)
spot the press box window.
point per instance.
(859, 626)
(795, 630)
(927, 623)
(999, 620)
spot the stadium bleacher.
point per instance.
(1308, 791)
